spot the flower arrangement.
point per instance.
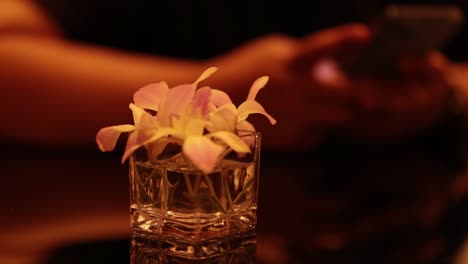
(204, 122)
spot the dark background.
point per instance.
(344, 202)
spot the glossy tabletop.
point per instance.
(342, 203)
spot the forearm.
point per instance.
(61, 93)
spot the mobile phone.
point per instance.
(405, 30)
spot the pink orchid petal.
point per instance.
(256, 86)
(177, 99)
(220, 98)
(150, 96)
(232, 140)
(143, 119)
(202, 152)
(207, 73)
(224, 118)
(252, 107)
(107, 137)
(201, 101)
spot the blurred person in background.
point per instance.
(68, 68)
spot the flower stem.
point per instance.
(188, 183)
(228, 193)
(245, 189)
(213, 193)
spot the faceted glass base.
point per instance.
(236, 249)
(179, 212)
(174, 201)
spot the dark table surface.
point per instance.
(345, 203)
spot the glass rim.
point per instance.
(243, 132)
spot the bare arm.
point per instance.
(56, 92)
(59, 92)
(24, 17)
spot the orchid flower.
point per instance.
(229, 118)
(148, 128)
(182, 115)
(199, 148)
(145, 130)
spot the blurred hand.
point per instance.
(303, 110)
(309, 93)
(394, 108)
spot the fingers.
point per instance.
(317, 53)
(327, 73)
(329, 43)
(414, 98)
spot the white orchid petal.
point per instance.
(202, 152)
(107, 137)
(143, 119)
(142, 137)
(252, 107)
(224, 118)
(207, 73)
(137, 113)
(230, 107)
(194, 127)
(163, 132)
(212, 108)
(178, 124)
(133, 143)
(232, 140)
(150, 96)
(256, 86)
(220, 98)
(245, 126)
(156, 148)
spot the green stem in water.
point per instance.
(142, 186)
(244, 190)
(213, 193)
(228, 193)
(188, 183)
(170, 190)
